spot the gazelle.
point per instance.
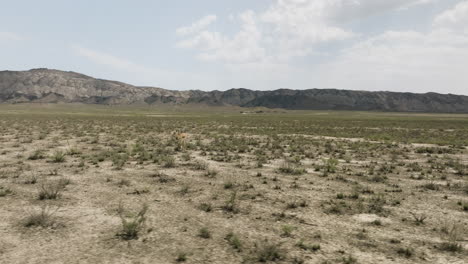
(181, 138)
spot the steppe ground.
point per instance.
(88, 184)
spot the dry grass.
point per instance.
(293, 187)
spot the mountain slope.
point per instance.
(53, 86)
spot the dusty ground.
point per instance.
(225, 194)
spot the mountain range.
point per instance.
(54, 86)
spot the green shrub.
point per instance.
(36, 155)
(234, 241)
(268, 252)
(132, 223)
(5, 191)
(204, 233)
(58, 156)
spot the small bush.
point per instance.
(290, 168)
(132, 223)
(36, 155)
(200, 165)
(451, 247)
(452, 233)
(58, 156)
(124, 182)
(169, 162)
(234, 241)
(228, 185)
(231, 204)
(211, 173)
(31, 180)
(330, 165)
(181, 257)
(268, 252)
(204, 233)
(419, 218)
(206, 207)
(405, 252)
(349, 260)
(304, 246)
(44, 218)
(5, 191)
(50, 190)
(287, 230)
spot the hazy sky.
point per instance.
(396, 45)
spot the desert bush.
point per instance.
(72, 151)
(288, 167)
(302, 245)
(430, 186)
(267, 251)
(45, 218)
(287, 230)
(228, 185)
(330, 165)
(124, 182)
(419, 218)
(119, 160)
(206, 207)
(36, 155)
(452, 233)
(50, 190)
(4, 191)
(58, 156)
(132, 223)
(234, 241)
(349, 260)
(181, 257)
(200, 165)
(231, 204)
(32, 179)
(169, 162)
(211, 173)
(405, 252)
(204, 232)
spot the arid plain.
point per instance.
(141, 185)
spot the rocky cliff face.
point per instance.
(53, 86)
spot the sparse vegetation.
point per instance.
(294, 179)
(132, 222)
(58, 156)
(50, 190)
(45, 218)
(204, 233)
(267, 251)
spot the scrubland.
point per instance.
(119, 185)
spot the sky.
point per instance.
(376, 45)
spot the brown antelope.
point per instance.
(181, 138)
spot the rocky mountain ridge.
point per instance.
(54, 86)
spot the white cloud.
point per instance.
(9, 36)
(400, 60)
(455, 18)
(243, 47)
(418, 2)
(405, 60)
(205, 40)
(305, 21)
(287, 29)
(196, 26)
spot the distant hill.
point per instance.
(53, 86)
